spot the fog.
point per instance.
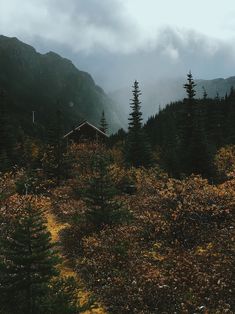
(119, 41)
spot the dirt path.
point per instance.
(54, 227)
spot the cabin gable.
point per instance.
(86, 132)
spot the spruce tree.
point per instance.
(56, 163)
(27, 263)
(194, 146)
(186, 125)
(200, 162)
(189, 108)
(99, 196)
(103, 123)
(137, 149)
(204, 93)
(7, 140)
(169, 152)
(190, 86)
(230, 113)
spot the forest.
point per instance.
(142, 223)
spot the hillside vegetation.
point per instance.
(45, 83)
(143, 223)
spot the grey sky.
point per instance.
(120, 40)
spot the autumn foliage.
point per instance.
(225, 161)
(174, 253)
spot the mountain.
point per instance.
(46, 83)
(164, 91)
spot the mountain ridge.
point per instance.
(45, 83)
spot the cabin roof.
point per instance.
(81, 125)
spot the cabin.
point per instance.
(86, 132)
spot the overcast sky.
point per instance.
(120, 40)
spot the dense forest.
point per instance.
(187, 134)
(142, 223)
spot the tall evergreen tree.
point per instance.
(186, 124)
(27, 263)
(204, 93)
(137, 148)
(190, 86)
(7, 140)
(169, 151)
(103, 123)
(103, 208)
(230, 119)
(199, 149)
(194, 145)
(56, 161)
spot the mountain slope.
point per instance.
(46, 83)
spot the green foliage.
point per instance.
(175, 256)
(103, 123)
(45, 83)
(56, 161)
(194, 156)
(7, 136)
(27, 264)
(61, 298)
(99, 196)
(190, 86)
(137, 148)
(188, 133)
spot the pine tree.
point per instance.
(204, 93)
(187, 124)
(103, 123)
(217, 97)
(199, 149)
(137, 148)
(7, 141)
(27, 263)
(169, 151)
(194, 146)
(230, 119)
(190, 86)
(215, 123)
(56, 162)
(100, 194)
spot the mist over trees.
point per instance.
(188, 133)
(139, 222)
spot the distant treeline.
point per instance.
(186, 134)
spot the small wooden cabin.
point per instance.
(86, 132)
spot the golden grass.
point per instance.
(65, 270)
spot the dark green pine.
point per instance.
(103, 208)
(7, 140)
(199, 151)
(27, 264)
(56, 163)
(230, 118)
(189, 86)
(103, 123)
(137, 148)
(186, 125)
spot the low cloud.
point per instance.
(80, 25)
(172, 54)
(102, 39)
